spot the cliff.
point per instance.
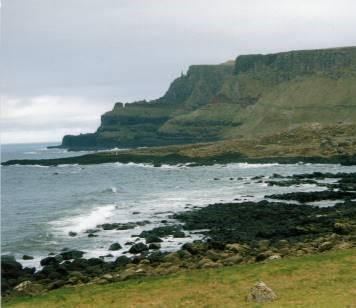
(255, 95)
(138, 123)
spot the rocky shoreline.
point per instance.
(234, 233)
(158, 160)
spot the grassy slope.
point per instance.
(323, 280)
(315, 98)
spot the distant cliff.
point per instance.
(255, 95)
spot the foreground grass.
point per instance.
(323, 280)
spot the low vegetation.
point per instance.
(321, 280)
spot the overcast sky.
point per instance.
(65, 62)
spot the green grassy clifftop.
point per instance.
(254, 96)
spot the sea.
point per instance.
(41, 205)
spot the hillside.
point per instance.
(254, 96)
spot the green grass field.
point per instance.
(322, 280)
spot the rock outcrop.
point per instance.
(261, 293)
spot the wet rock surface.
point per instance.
(115, 246)
(250, 222)
(138, 248)
(173, 230)
(122, 226)
(304, 197)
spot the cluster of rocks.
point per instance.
(123, 226)
(163, 231)
(313, 196)
(345, 181)
(237, 233)
(70, 268)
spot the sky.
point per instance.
(66, 62)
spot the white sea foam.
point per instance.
(85, 221)
(180, 166)
(32, 166)
(252, 166)
(30, 153)
(114, 150)
(118, 164)
(67, 165)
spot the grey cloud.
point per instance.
(113, 50)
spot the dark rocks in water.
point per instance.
(292, 182)
(26, 257)
(72, 234)
(92, 235)
(343, 189)
(277, 176)
(123, 226)
(115, 246)
(178, 234)
(312, 196)
(129, 243)
(10, 268)
(142, 223)
(154, 246)
(29, 270)
(237, 232)
(72, 254)
(175, 231)
(92, 231)
(153, 239)
(135, 213)
(12, 273)
(322, 176)
(51, 260)
(122, 261)
(108, 226)
(249, 222)
(95, 261)
(138, 248)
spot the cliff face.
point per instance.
(257, 95)
(138, 123)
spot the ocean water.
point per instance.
(41, 205)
